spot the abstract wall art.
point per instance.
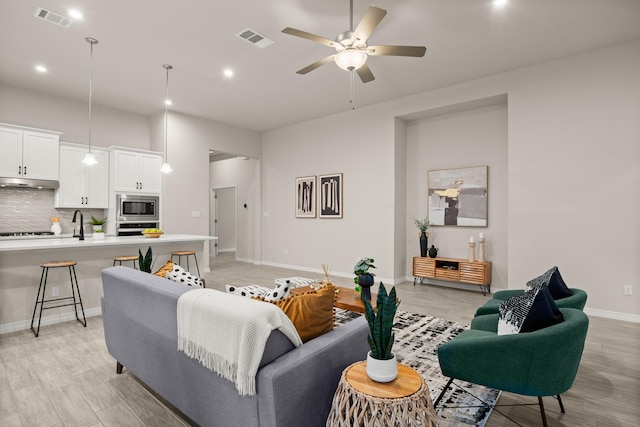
(330, 187)
(458, 196)
(306, 197)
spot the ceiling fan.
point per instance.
(351, 46)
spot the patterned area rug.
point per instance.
(417, 338)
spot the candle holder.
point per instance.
(472, 251)
(481, 249)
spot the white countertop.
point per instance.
(65, 242)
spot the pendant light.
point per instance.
(166, 167)
(89, 159)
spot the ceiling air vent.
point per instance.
(254, 38)
(53, 17)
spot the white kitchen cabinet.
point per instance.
(136, 172)
(29, 153)
(82, 186)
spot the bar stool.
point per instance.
(180, 254)
(119, 259)
(43, 287)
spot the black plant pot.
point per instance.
(366, 281)
(433, 252)
(424, 245)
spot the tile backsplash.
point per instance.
(30, 209)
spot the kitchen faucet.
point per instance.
(81, 235)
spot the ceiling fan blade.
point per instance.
(368, 24)
(309, 36)
(365, 74)
(315, 65)
(417, 51)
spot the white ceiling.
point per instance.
(465, 39)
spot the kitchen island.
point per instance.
(20, 270)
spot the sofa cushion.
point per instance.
(530, 311)
(311, 312)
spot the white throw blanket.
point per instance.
(228, 333)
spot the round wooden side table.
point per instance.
(360, 401)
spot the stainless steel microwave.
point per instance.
(132, 207)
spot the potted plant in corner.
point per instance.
(364, 278)
(423, 225)
(382, 365)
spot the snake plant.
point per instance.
(381, 335)
(145, 261)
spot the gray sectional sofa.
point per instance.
(295, 386)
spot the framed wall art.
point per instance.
(306, 197)
(330, 187)
(458, 197)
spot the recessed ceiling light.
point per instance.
(75, 13)
(228, 72)
(499, 3)
(41, 68)
(168, 102)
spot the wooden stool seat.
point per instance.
(57, 302)
(56, 264)
(180, 254)
(119, 259)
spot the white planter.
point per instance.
(382, 371)
(98, 236)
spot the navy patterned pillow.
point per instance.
(527, 312)
(553, 279)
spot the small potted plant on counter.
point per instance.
(97, 223)
(382, 365)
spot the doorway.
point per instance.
(224, 219)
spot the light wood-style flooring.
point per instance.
(66, 377)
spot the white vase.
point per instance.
(56, 229)
(382, 371)
(98, 236)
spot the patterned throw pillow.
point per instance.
(294, 282)
(168, 266)
(280, 292)
(311, 312)
(180, 275)
(528, 312)
(553, 279)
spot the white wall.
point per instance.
(573, 159)
(472, 137)
(244, 175)
(109, 126)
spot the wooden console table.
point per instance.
(360, 401)
(453, 270)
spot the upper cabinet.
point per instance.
(136, 172)
(28, 153)
(82, 186)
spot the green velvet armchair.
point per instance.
(492, 306)
(539, 363)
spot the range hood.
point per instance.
(28, 183)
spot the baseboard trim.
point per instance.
(47, 320)
(333, 273)
(613, 315)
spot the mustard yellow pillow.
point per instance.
(166, 268)
(311, 312)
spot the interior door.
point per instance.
(213, 250)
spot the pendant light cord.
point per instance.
(91, 42)
(166, 111)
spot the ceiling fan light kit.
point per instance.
(351, 46)
(350, 59)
